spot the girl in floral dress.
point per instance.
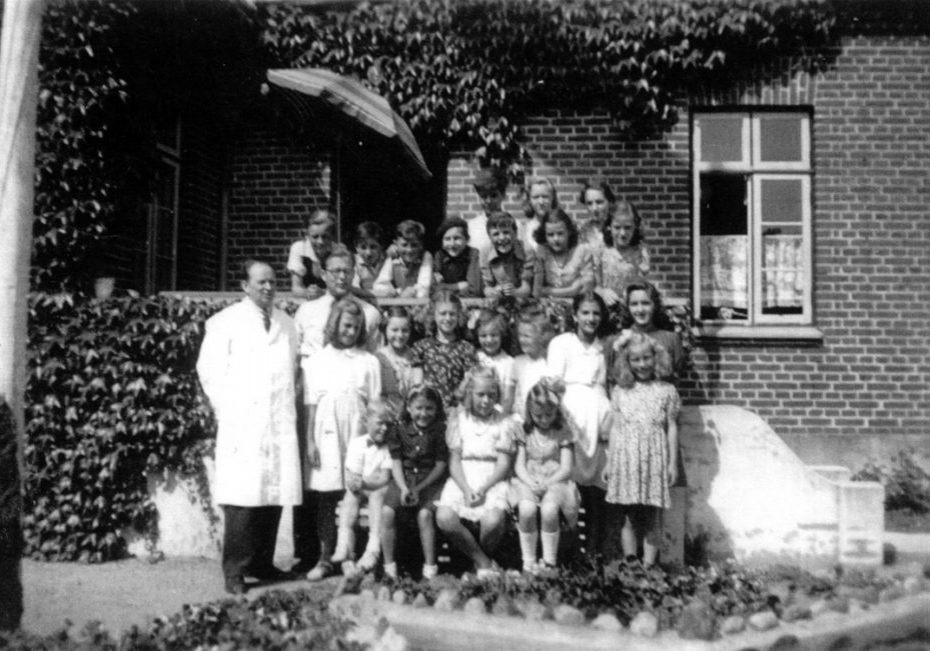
(624, 257)
(643, 450)
(480, 441)
(396, 356)
(564, 267)
(445, 357)
(339, 383)
(543, 489)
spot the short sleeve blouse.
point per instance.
(580, 264)
(482, 439)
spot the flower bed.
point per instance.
(694, 603)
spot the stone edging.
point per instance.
(427, 628)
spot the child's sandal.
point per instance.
(320, 571)
(367, 562)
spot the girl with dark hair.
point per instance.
(578, 359)
(624, 258)
(563, 267)
(420, 458)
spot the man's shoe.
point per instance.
(271, 573)
(235, 585)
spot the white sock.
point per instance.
(550, 547)
(390, 569)
(345, 545)
(528, 540)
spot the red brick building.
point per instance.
(792, 215)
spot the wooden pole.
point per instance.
(19, 56)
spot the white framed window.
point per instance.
(751, 190)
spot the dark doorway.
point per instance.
(375, 183)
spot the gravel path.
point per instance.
(123, 593)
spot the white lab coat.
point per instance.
(248, 375)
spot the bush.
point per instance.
(907, 484)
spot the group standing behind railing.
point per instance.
(454, 428)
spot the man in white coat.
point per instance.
(247, 367)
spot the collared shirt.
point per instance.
(577, 362)
(466, 267)
(419, 450)
(311, 320)
(395, 277)
(578, 265)
(303, 261)
(365, 458)
(365, 274)
(517, 266)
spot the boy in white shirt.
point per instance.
(367, 475)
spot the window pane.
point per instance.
(721, 139)
(724, 247)
(783, 278)
(780, 138)
(782, 200)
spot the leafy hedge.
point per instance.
(466, 72)
(111, 394)
(79, 170)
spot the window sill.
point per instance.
(713, 332)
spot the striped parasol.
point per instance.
(306, 86)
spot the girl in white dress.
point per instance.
(480, 441)
(578, 359)
(339, 383)
(491, 330)
(533, 334)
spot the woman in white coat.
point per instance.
(247, 369)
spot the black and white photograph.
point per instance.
(407, 325)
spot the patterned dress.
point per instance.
(617, 270)
(543, 460)
(399, 371)
(637, 465)
(444, 365)
(551, 273)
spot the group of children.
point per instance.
(465, 434)
(544, 252)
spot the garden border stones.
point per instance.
(458, 630)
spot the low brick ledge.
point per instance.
(426, 628)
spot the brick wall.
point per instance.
(276, 183)
(871, 374)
